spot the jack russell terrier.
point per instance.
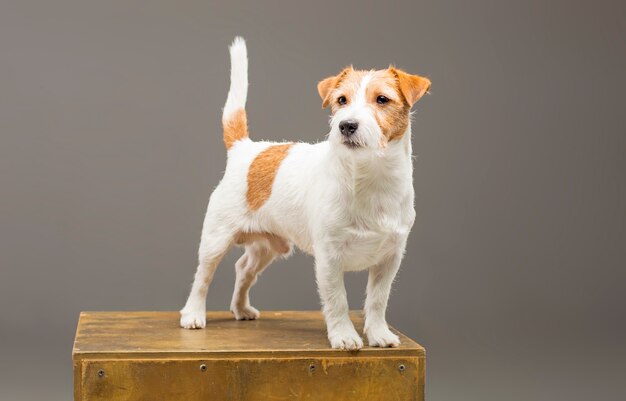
(348, 201)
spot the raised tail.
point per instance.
(234, 117)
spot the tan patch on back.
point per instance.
(262, 173)
(235, 128)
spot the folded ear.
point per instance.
(326, 86)
(412, 87)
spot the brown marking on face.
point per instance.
(402, 90)
(262, 173)
(235, 128)
(393, 116)
(346, 83)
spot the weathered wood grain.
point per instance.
(282, 356)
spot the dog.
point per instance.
(348, 201)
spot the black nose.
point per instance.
(348, 127)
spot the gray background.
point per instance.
(514, 277)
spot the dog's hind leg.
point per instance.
(255, 259)
(214, 244)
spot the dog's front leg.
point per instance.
(378, 287)
(341, 332)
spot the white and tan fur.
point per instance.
(347, 201)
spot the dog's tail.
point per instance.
(234, 117)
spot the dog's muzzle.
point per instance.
(348, 129)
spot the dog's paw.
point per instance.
(346, 339)
(246, 313)
(192, 320)
(381, 336)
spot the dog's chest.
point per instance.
(363, 247)
(371, 235)
(374, 227)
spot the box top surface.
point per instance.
(157, 334)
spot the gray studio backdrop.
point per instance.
(111, 144)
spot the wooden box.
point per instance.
(282, 356)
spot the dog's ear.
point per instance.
(326, 85)
(412, 87)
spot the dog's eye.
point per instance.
(382, 99)
(342, 100)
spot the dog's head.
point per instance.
(370, 108)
